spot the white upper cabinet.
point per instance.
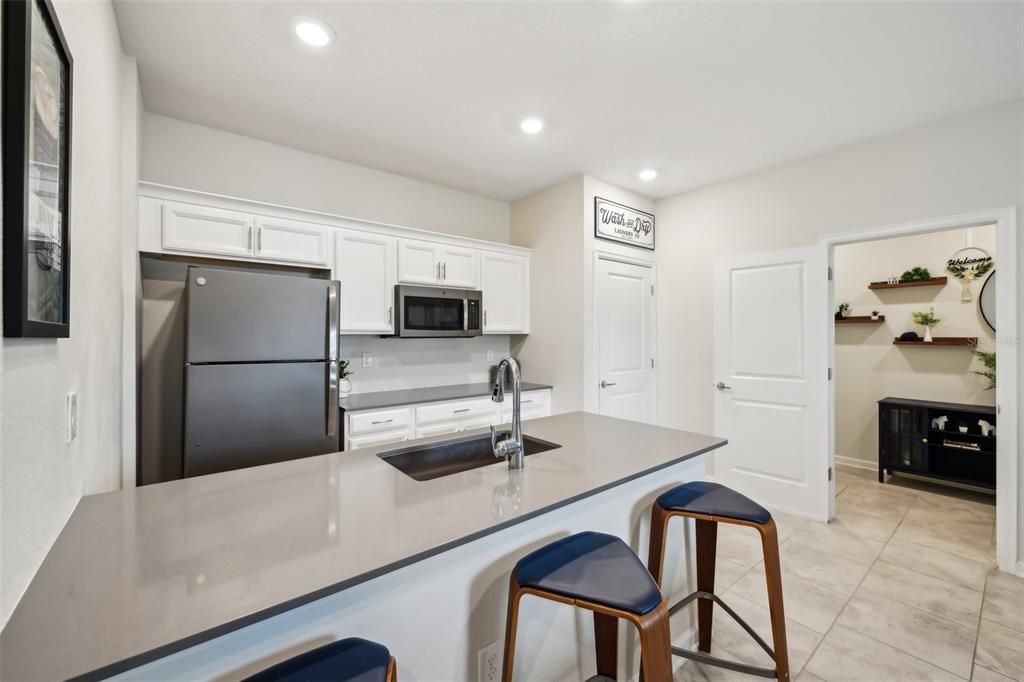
(418, 262)
(203, 229)
(365, 266)
(292, 241)
(421, 262)
(506, 293)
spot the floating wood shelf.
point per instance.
(861, 319)
(934, 281)
(966, 341)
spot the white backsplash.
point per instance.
(418, 363)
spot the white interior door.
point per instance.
(771, 372)
(625, 314)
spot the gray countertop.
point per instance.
(141, 573)
(413, 396)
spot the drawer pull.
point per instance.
(465, 409)
(525, 402)
(382, 421)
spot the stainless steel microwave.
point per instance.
(436, 311)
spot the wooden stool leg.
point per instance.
(392, 674)
(656, 548)
(773, 577)
(606, 644)
(707, 545)
(655, 645)
(511, 621)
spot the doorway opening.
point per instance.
(916, 429)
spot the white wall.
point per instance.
(197, 157)
(415, 363)
(548, 222)
(967, 163)
(869, 367)
(42, 477)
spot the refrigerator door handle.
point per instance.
(332, 321)
(332, 398)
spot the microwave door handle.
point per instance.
(465, 316)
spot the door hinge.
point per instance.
(830, 273)
(830, 473)
(830, 374)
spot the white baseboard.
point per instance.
(856, 463)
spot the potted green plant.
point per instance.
(927, 320)
(842, 311)
(344, 385)
(916, 274)
(989, 361)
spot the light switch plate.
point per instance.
(367, 360)
(71, 417)
(490, 355)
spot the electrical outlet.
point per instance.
(490, 355)
(367, 360)
(71, 417)
(489, 661)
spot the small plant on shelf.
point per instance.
(842, 311)
(927, 320)
(989, 361)
(916, 274)
(344, 385)
(874, 314)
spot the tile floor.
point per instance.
(901, 586)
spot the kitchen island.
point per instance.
(218, 576)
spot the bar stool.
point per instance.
(710, 504)
(347, 660)
(599, 573)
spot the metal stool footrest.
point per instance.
(708, 659)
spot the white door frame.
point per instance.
(1009, 296)
(591, 388)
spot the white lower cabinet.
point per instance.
(397, 424)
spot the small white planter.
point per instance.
(927, 334)
(344, 387)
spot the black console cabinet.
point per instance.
(913, 438)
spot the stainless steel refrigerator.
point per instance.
(261, 373)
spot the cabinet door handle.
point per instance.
(389, 315)
(382, 421)
(485, 318)
(525, 402)
(248, 239)
(259, 239)
(465, 409)
(444, 271)
(438, 271)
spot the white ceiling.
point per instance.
(700, 92)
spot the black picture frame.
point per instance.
(20, 74)
(597, 232)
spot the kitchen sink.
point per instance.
(434, 460)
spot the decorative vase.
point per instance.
(927, 334)
(965, 290)
(344, 387)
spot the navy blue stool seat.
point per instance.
(347, 660)
(599, 573)
(709, 504)
(713, 499)
(594, 567)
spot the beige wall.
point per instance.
(869, 367)
(549, 222)
(968, 163)
(41, 477)
(197, 157)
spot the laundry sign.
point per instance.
(619, 223)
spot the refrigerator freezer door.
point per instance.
(243, 415)
(255, 317)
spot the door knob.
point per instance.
(722, 387)
(606, 384)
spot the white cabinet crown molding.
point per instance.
(183, 195)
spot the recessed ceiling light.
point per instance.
(312, 31)
(647, 174)
(532, 125)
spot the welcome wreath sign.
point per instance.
(623, 224)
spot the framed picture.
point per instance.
(37, 71)
(623, 224)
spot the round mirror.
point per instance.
(987, 301)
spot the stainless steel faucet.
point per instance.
(511, 444)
